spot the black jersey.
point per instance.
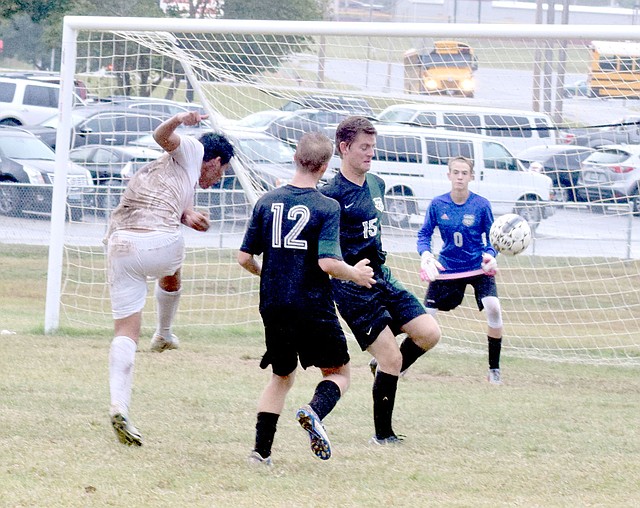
(292, 228)
(361, 210)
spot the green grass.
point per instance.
(552, 435)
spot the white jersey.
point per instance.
(159, 193)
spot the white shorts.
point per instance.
(133, 258)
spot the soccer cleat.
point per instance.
(126, 433)
(309, 421)
(256, 458)
(391, 440)
(494, 377)
(373, 365)
(160, 344)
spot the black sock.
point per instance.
(495, 345)
(384, 396)
(265, 432)
(325, 398)
(410, 353)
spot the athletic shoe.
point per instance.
(126, 433)
(309, 421)
(373, 365)
(391, 440)
(256, 458)
(160, 344)
(494, 377)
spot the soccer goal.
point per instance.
(491, 92)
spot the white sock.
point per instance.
(167, 303)
(121, 359)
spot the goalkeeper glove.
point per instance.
(489, 264)
(429, 267)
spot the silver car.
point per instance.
(611, 175)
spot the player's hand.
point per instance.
(364, 274)
(489, 264)
(195, 220)
(430, 267)
(192, 118)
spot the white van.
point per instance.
(413, 163)
(29, 100)
(516, 129)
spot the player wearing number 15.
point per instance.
(466, 258)
(296, 230)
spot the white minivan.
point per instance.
(516, 129)
(413, 163)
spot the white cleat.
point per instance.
(160, 344)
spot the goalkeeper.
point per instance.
(144, 240)
(296, 230)
(466, 258)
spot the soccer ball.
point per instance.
(510, 234)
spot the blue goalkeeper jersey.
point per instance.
(292, 228)
(464, 230)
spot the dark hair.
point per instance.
(349, 129)
(313, 151)
(216, 145)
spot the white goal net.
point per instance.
(492, 92)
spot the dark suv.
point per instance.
(102, 125)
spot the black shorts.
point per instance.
(318, 342)
(447, 294)
(369, 311)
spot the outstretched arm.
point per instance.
(165, 134)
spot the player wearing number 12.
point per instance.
(467, 257)
(296, 230)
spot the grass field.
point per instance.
(552, 435)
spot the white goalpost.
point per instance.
(573, 296)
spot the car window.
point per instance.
(138, 123)
(544, 131)
(267, 150)
(81, 155)
(398, 149)
(103, 156)
(25, 147)
(497, 157)
(7, 91)
(506, 126)
(607, 157)
(426, 119)
(462, 122)
(100, 124)
(44, 96)
(396, 115)
(439, 151)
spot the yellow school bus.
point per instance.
(615, 69)
(448, 68)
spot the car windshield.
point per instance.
(607, 157)
(25, 147)
(260, 119)
(266, 151)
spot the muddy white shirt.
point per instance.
(161, 191)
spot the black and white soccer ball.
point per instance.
(510, 234)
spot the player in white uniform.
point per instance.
(144, 239)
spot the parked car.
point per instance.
(107, 163)
(514, 128)
(559, 162)
(27, 174)
(261, 120)
(626, 132)
(291, 127)
(413, 163)
(27, 101)
(611, 175)
(353, 105)
(578, 88)
(100, 124)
